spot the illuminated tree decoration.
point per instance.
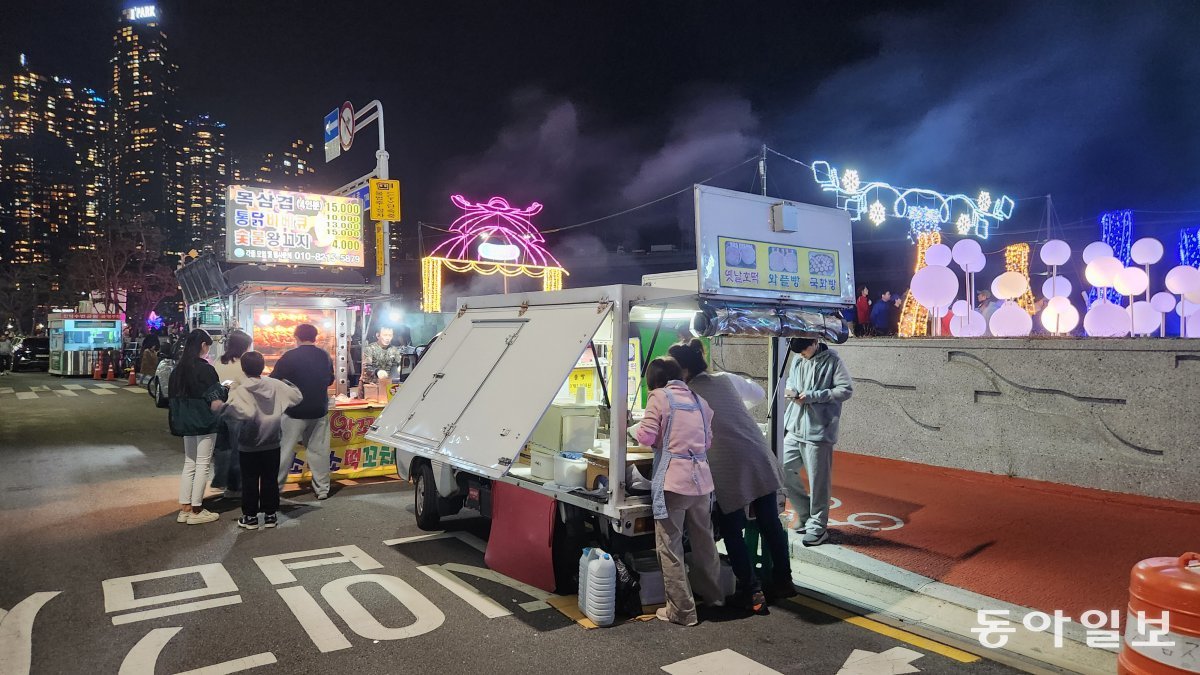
(853, 195)
(1016, 259)
(877, 213)
(1116, 230)
(914, 319)
(1189, 247)
(490, 237)
(922, 219)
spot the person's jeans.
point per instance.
(260, 489)
(668, 535)
(197, 462)
(314, 434)
(766, 513)
(816, 459)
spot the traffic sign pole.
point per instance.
(373, 112)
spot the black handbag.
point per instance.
(194, 416)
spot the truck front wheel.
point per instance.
(426, 504)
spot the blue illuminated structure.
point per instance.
(1116, 230)
(1189, 246)
(925, 209)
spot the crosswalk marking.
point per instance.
(73, 386)
(104, 392)
(106, 385)
(39, 389)
(26, 395)
(65, 392)
(6, 390)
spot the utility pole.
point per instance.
(762, 169)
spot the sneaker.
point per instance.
(814, 539)
(662, 615)
(270, 520)
(183, 516)
(322, 495)
(205, 516)
(758, 603)
(248, 522)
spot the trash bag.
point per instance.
(629, 589)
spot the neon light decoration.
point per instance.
(1116, 230)
(490, 237)
(914, 319)
(925, 209)
(1016, 259)
(1189, 247)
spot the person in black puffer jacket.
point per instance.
(193, 387)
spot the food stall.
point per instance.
(76, 338)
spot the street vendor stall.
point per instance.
(78, 338)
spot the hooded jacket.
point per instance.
(258, 404)
(825, 381)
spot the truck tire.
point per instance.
(426, 499)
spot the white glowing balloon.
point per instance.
(1146, 251)
(1187, 308)
(935, 286)
(1059, 304)
(1096, 249)
(1009, 285)
(1106, 319)
(938, 255)
(1060, 319)
(1055, 252)
(1131, 281)
(1193, 297)
(1146, 319)
(965, 251)
(961, 307)
(1191, 326)
(1182, 279)
(1058, 286)
(968, 325)
(1163, 301)
(1101, 272)
(1011, 320)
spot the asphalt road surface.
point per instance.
(88, 500)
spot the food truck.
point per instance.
(77, 338)
(515, 381)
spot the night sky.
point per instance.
(592, 108)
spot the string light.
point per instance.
(922, 219)
(964, 224)
(1016, 259)
(852, 195)
(1116, 230)
(1189, 246)
(914, 319)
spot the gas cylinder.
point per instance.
(1163, 588)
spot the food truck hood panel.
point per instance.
(477, 394)
(641, 295)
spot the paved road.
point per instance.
(87, 500)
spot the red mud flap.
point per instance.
(521, 541)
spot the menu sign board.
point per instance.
(778, 267)
(292, 228)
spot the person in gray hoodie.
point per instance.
(817, 384)
(257, 404)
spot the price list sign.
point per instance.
(292, 228)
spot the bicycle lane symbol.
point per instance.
(876, 522)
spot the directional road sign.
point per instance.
(333, 148)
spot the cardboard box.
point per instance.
(641, 457)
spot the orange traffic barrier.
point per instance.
(132, 377)
(96, 369)
(1162, 624)
(112, 373)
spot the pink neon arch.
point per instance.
(496, 221)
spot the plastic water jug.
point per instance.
(602, 590)
(589, 554)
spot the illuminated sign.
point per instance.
(292, 228)
(778, 267)
(143, 12)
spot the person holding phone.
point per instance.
(818, 383)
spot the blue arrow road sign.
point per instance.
(331, 126)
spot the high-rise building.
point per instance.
(203, 176)
(146, 125)
(52, 167)
(290, 168)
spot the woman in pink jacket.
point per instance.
(678, 425)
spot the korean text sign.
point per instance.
(778, 267)
(294, 228)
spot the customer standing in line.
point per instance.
(227, 474)
(817, 384)
(257, 404)
(745, 474)
(6, 354)
(309, 368)
(678, 425)
(193, 387)
(881, 314)
(862, 311)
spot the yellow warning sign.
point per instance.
(385, 200)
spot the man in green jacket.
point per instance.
(817, 384)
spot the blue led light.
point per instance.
(925, 209)
(1189, 246)
(1116, 230)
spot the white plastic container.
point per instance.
(541, 463)
(589, 554)
(570, 472)
(602, 590)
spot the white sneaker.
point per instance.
(183, 516)
(205, 516)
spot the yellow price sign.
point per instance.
(385, 199)
(582, 377)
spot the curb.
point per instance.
(919, 604)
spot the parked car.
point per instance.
(32, 353)
(158, 384)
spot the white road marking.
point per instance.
(894, 661)
(320, 628)
(16, 632)
(119, 594)
(276, 569)
(105, 385)
(144, 657)
(26, 395)
(103, 392)
(146, 614)
(486, 606)
(6, 390)
(65, 392)
(234, 666)
(39, 388)
(359, 620)
(76, 387)
(719, 663)
(133, 390)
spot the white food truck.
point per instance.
(515, 381)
